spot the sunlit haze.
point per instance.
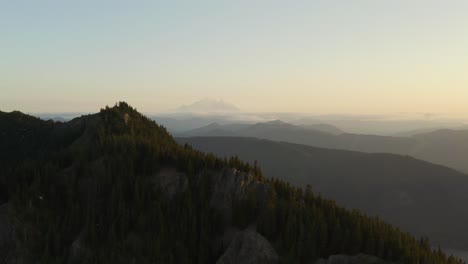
(351, 57)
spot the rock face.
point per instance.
(358, 259)
(230, 185)
(171, 181)
(249, 247)
(226, 188)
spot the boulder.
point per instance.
(249, 247)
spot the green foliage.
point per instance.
(304, 227)
(87, 187)
(100, 191)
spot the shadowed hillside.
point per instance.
(445, 147)
(417, 196)
(115, 187)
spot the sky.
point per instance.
(330, 56)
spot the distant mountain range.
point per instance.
(272, 128)
(445, 147)
(382, 125)
(115, 187)
(417, 196)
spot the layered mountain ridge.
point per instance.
(445, 146)
(115, 187)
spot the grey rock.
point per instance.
(171, 181)
(227, 186)
(231, 185)
(249, 247)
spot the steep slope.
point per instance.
(117, 188)
(444, 147)
(417, 196)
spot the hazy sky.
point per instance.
(304, 56)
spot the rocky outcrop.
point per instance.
(230, 185)
(249, 247)
(171, 181)
(358, 259)
(227, 186)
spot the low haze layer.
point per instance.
(322, 57)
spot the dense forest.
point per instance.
(415, 195)
(90, 191)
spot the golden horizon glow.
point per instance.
(354, 57)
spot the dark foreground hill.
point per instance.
(445, 147)
(417, 196)
(115, 187)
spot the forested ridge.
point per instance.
(86, 191)
(416, 196)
